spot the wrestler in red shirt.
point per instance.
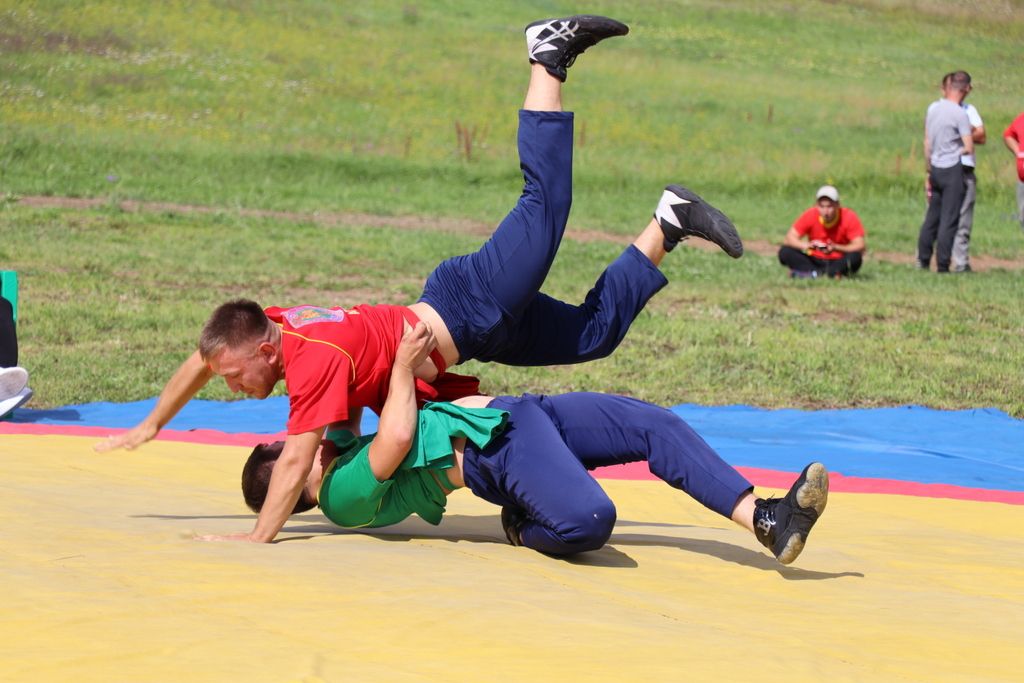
(336, 357)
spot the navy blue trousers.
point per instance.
(539, 464)
(491, 301)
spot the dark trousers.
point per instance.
(8, 337)
(942, 218)
(490, 299)
(539, 464)
(797, 260)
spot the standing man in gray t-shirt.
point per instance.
(962, 241)
(947, 136)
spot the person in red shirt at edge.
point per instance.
(484, 306)
(827, 239)
(1013, 137)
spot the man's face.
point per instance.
(827, 209)
(251, 369)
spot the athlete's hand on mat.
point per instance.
(134, 437)
(219, 537)
(415, 346)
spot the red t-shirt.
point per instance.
(1016, 131)
(337, 358)
(846, 229)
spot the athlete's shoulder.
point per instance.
(298, 317)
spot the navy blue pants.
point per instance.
(491, 301)
(539, 464)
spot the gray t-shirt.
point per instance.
(946, 124)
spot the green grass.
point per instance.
(112, 302)
(326, 106)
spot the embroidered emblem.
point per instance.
(308, 315)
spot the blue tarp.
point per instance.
(981, 448)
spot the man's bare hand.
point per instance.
(133, 438)
(415, 346)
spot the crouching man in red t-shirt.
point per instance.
(827, 239)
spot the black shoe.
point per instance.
(556, 43)
(782, 525)
(682, 213)
(803, 274)
(511, 520)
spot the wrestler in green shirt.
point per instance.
(351, 496)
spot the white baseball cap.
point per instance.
(829, 192)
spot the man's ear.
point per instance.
(268, 351)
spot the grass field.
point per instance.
(354, 107)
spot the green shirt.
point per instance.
(350, 496)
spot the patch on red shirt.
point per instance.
(308, 315)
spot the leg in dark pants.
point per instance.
(489, 299)
(539, 465)
(794, 259)
(797, 260)
(8, 335)
(472, 293)
(849, 264)
(962, 241)
(552, 332)
(604, 429)
(942, 218)
(531, 469)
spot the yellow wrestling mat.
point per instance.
(102, 582)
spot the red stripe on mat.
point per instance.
(207, 436)
(636, 471)
(774, 479)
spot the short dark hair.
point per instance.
(232, 325)
(256, 478)
(960, 80)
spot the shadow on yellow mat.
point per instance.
(103, 582)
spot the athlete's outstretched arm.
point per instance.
(186, 382)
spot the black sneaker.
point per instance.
(782, 525)
(682, 213)
(803, 274)
(511, 520)
(556, 43)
